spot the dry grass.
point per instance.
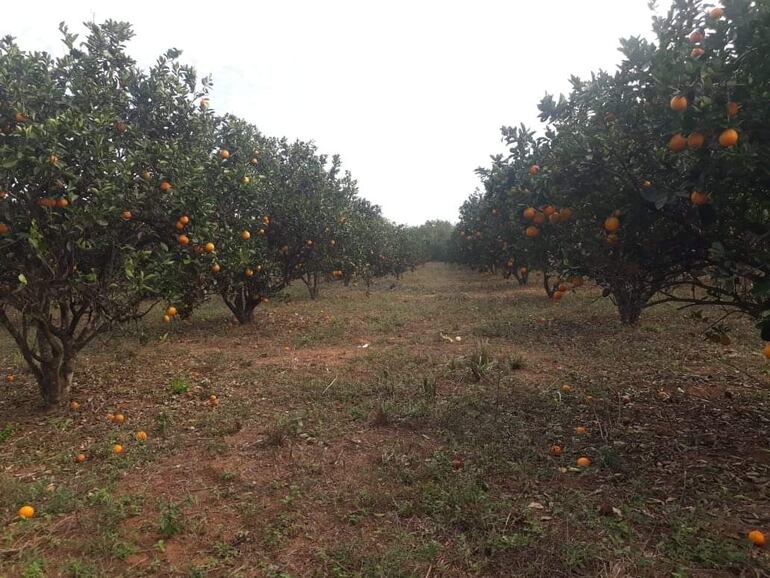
(416, 455)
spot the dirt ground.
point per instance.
(407, 432)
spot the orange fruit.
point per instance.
(533, 170)
(166, 319)
(80, 458)
(10, 378)
(117, 449)
(728, 138)
(332, 242)
(141, 436)
(4, 229)
(580, 430)
(121, 126)
(558, 295)
(732, 108)
(74, 406)
(695, 141)
(254, 162)
(248, 273)
(171, 311)
(549, 210)
(677, 143)
(119, 418)
(309, 243)
(696, 52)
(531, 232)
(224, 154)
(126, 215)
(563, 287)
(697, 198)
(204, 104)
(179, 226)
(184, 219)
(555, 450)
(565, 214)
(26, 512)
(165, 186)
(215, 268)
(539, 219)
(566, 388)
(554, 218)
(53, 159)
(696, 36)
(757, 538)
(214, 400)
(209, 247)
(183, 240)
(246, 180)
(19, 117)
(146, 175)
(647, 184)
(716, 13)
(612, 239)
(245, 235)
(529, 213)
(266, 220)
(679, 103)
(62, 203)
(766, 351)
(611, 224)
(583, 462)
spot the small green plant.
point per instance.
(170, 523)
(481, 361)
(514, 362)
(179, 385)
(33, 569)
(429, 387)
(6, 433)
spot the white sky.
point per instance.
(411, 93)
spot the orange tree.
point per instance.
(94, 155)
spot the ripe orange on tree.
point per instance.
(533, 170)
(4, 229)
(558, 295)
(696, 36)
(209, 247)
(732, 108)
(539, 219)
(728, 137)
(696, 52)
(20, 117)
(555, 450)
(171, 311)
(74, 405)
(611, 224)
(677, 143)
(215, 268)
(165, 186)
(549, 210)
(224, 154)
(119, 418)
(766, 351)
(583, 462)
(529, 213)
(246, 180)
(695, 141)
(248, 273)
(716, 13)
(245, 235)
(531, 232)
(62, 202)
(697, 198)
(183, 240)
(185, 220)
(166, 319)
(679, 103)
(126, 215)
(554, 218)
(179, 226)
(646, 184)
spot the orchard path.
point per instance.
(357, 436)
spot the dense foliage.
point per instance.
(653, 181)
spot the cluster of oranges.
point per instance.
(53, 203)
(337, 274)
(563, 286)
(548, 214)
(170, 313)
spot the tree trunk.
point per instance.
(241, 306)
(548, 289)
(630, 302)
(311, 281)
(55, 381)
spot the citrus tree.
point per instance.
(95, 153)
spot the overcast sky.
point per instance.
(411, 94)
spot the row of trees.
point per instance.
(653, 181)
(120, 188)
